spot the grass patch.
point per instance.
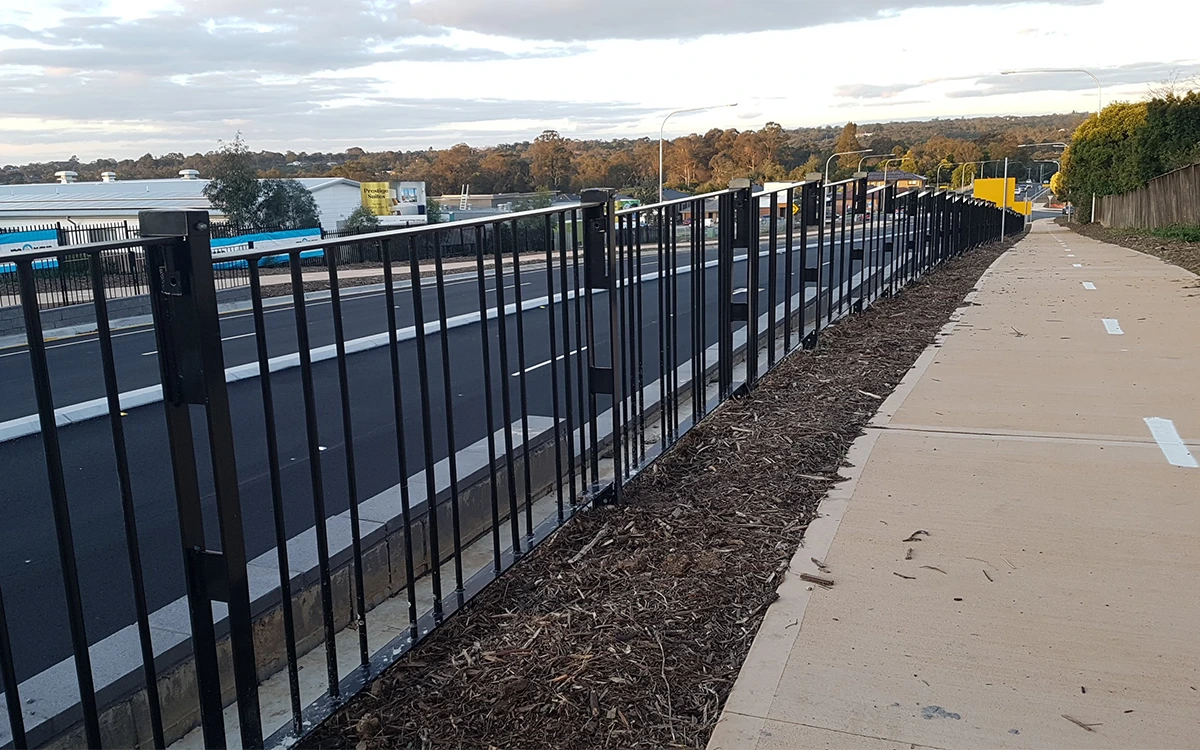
(1181, 232)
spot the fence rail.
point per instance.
(63, 278)
(1168, 200)
(493, 414)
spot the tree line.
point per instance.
(696, 162)
(1127, 145)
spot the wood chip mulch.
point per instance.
(637, 643)
(1176, 252)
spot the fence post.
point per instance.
(183, 301)
(601, 271)
(744, 236)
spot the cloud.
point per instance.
(873, 91)
(191, 115)
(1119, 75)
(588, 20)
(277, 70)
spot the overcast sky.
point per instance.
(122, 77)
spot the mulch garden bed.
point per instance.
(636, 642)
(1176, 252)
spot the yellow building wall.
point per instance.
(994, 188)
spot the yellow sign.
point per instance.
(375, 198)
(795, 208)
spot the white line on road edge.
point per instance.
(1112, 326)
(1088, 285)
(1170, 443)
(540, 365)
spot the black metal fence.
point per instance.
(64, 278)
(633, 328)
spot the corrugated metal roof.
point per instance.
(122, 195)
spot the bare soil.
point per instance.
(1176, 252)
(638, 643)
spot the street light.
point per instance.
(844, 153)
(1055, 162)
(860, 161)
(980, 163)
(1099, 91)
(663, 128)
(886, 162)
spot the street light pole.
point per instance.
(844, 153)
(1099, 90)
(662, 130)
(886, 162)
(1004, 199)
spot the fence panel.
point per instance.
(475, 410)
(1168, 200)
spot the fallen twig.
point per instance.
(916, 536)
(1080, 724)
(588, 547)
(819, 580)
(911, 578)
(931, 567)
(822, 566)
(985, 575)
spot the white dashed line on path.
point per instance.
(1170, 443)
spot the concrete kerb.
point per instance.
(744, 716)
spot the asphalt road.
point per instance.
(29, 566)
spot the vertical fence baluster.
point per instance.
(410, 578)
(522, 378)
(431, 515)
(8, 681)
(339, 338)
(551, 329)
(58, 499)
(128, 513)
(316, 475)
(578, 226)
(514, 516)
(488, 401)
(448, 394)
(567, 353)
(281, 551)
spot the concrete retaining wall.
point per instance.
(50, 698)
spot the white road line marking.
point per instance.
(540, 365)
(1077, 265)
(226, 338)
(1170, 443)
(1112, 326)
(1088, 285)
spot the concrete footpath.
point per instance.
(1016, 553)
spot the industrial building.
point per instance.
(70, 202)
